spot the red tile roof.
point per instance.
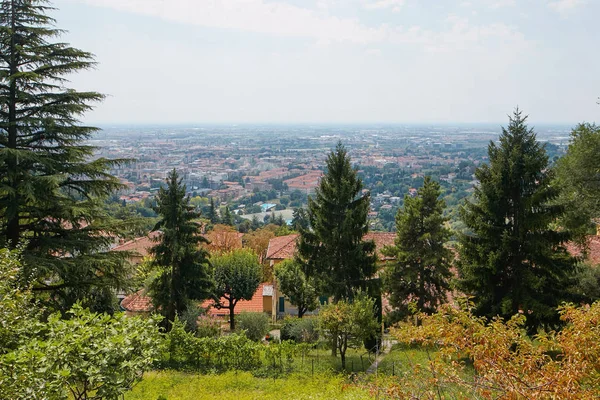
(139, 245)
(253, 305)
(137, 302)
(284, 247)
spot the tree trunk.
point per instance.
(231, 318)
(301, 312)
(343, 357)
(12, 225)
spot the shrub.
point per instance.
(190, 316)
(255, 325)
(300, 330)
(207, 326)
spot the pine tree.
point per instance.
(332, 249)
(512, 260)
(182, 262)
(212, 212)
(421, 272)
(51, 188)
(227, 217)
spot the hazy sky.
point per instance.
(182, 61)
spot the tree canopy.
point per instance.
(51, 186)
(511, 259)
(296, 286)
(420, 273)
(182, 261)
(237, 275)
(332, 248)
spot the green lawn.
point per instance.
(242, 386)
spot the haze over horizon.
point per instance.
(337, 61)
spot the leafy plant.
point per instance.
(254, 325)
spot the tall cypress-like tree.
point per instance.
(332, 249)
(421, 272)
(51, 187)
(183, 263)
(512, 260)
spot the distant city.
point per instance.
(278, 166)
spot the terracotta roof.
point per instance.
(593, 251)
(253, 305)
(381, 240)
(139, 245)
(284, 247)
(137, 302)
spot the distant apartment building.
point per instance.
(306, 183)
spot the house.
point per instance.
(284, 247)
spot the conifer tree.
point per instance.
(421, 272)
(212, 212)
(332, 249)
(227, 217)
(512, 260)
(183, 264)
(51, 188)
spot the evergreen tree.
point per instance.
(212, 212)
(578, 181)
(183, 265)
(51, 190)
(332, 248)
(512, 260)
(300, 219)
(227, 217)
(421, 271)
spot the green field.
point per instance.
(243, 386)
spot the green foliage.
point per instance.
(332, 250)
(578, 180)
(255, 325)
(245, 386)
(182, 262)
(207, 326)
(183, 349)
(87, 355)
(421, 271)
(296, 286)
(300, 330)
(349, 323)
(236, 275)
(513, 260)
(52, 189)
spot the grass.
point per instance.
(172, 385)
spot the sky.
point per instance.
(337, 61)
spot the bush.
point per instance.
(190, 316)
(300, 330)
(207, 326)
(255, 325)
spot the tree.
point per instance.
(349, 323)
(182, 261)
(300, 219)
(51, 187)
(227, 217)
(212, 212)
(89, 355)
(223, 239)
(294, 284)
(421, 271)
(511, 260)
(237, 275)
(504, 363)
(578, 181)
(332, 248)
